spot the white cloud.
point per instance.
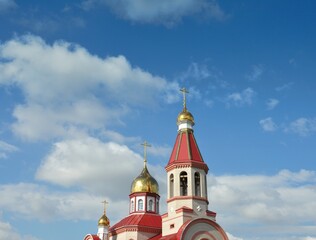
(284, 87)
(255, 74)
(6, 148)
(196, 71)
(249, 205)
(302, 126)
(231, 237)
(241, 98)
(65, 86)
(91, 164)
(160, 11)
(32, 201)
(7, 232)
(272, 103)
(7, 4)
(268, 124)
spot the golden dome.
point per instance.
(145, 183)
(185, 115)
(104, 221)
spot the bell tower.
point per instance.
(186, 178)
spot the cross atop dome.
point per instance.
(184, 91)
(104, 205)
(145, 144)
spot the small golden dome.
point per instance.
(104, 221)
(145, 183)
(185, 115)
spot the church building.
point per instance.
(187, 217)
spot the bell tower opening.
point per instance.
(183, 184)
(197, 184)
(171, 185)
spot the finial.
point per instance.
(105, 203)
(184, 91)
(145, 144)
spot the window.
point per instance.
(157, 206)
(150, 205)
(171, 185)
(183, 184)
(197, 184)
(140, 205)
(132, 206)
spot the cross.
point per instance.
(184, 91)
(145, 144)
(105, 203)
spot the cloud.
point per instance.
(241, 98)
(231, 237)
(6, 148)
(283, 202)
(8, 232)
(255, 74)
(7, 5)
(160, 11)
(90, 164)
(284, 87)
(33, 201)
(268, 125)
(302, 126)
(65, 86)
(272, 103)
(196, 71)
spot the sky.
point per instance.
(84, 83)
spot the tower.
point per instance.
(187, 200)
(103, 227)
(143, 221)
(103, 224)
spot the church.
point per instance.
(188, 216)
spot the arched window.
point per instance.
(205, 185)
(140, 205)
(132, 206)
(197, 184)
(183, 184)
(157, 206)
(171, 183)
(150, 205)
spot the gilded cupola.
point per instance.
(104, 221)
(185, 119)
(145, 182)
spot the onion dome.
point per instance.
(185, 116)
(104, 221)
(145, 183)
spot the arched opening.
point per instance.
(140, 205)
(132, 206)
(157, 206)
(197, 184)
(151, 205)
(171, 184)
(183, 184)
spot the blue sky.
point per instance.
(84, 83)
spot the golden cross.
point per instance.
(184, 91)
(105, 203)
(145, 144)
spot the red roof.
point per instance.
(186, 150)
(139, 220)
(91, 237)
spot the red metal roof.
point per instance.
(140, 220)
(91, 237)
(186, 150)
